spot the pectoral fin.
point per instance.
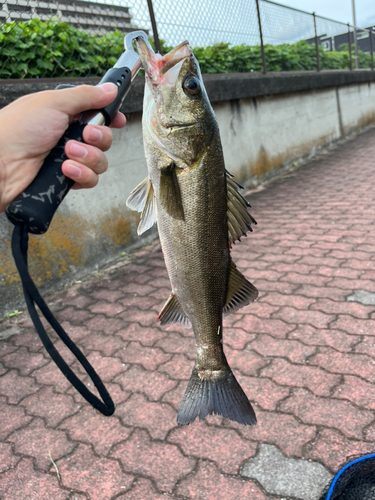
(239, 219)
(170, 194)
(172, 313)
(137, 197)
(240, 291)
(148, 216)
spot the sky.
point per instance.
(339, 10)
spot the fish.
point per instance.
(200, 214)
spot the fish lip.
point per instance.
(155, 65)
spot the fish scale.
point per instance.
(201, 287)
(192, 198)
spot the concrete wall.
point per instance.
(262, 130)
(261, 134)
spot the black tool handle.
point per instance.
(36, 206)
(122, 77)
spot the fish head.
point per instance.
(177, 113)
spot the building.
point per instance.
(92, 17)
(331, 43)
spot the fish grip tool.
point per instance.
(33, 210)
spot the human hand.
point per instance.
(32, 125)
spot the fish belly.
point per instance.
(197, 256)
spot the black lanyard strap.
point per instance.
(20, 240)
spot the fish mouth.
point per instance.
(175, 56)
(155, 65)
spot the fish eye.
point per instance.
(191, 85)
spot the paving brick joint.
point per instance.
(304, 353)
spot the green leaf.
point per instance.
(14, 313)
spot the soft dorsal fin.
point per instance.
(239, 219)
(148, 216)
(240, 291)
(170, 194)
(137, 197)
(172, 313)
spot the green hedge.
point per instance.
(49, 49)
(37, 49)
(300, 56)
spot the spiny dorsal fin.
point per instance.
(240, 291)
(239, 219)
(170, 194)
(137, 197)
(172, 313)
(148, 216)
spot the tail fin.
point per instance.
(223, 396)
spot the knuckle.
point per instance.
(105, 164)
(98, 157)
(109, 139)
(93, 181)
(89, 179)
(98, 161)
(106, 140)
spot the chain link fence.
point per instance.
(207, 23)
(73, 38)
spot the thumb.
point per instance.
(83, 98)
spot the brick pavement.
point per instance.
(302, 352)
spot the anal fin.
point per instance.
(172, 313)
(240, 291)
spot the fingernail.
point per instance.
(78, 150)
(73, 171)
(108, 87)
(95, 134)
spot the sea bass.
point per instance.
(199, 213)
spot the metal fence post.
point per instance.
(316, 45)
(355, 37)
(350, 50)
(154, 28)
(371, 51)
(261, 40)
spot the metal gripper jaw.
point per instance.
(130, 37)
